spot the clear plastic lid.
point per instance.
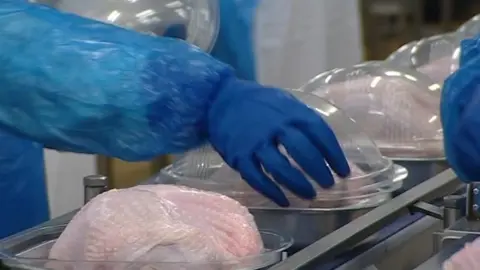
(398, 109)
(196, 21)
(31, 251)
(470, 29)
(437, 56)
(402, 56)
(373, 176)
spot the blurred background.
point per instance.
(388, 24)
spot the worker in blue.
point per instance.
(460, 113)
(78, 85)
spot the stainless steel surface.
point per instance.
(473, 201)
(305, 225)
(94, 185)
(428, 209)
(453, 206)
(436, 262)
(364, 226)
(421, 170)
(406, 249)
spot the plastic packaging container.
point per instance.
(371, 182)
(469, 29)
(30, 250)
(437, 56)
(398, 109)
(196, 21)
(402, 56)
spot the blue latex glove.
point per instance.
(247, 122)
(235, 42)
(460, 113)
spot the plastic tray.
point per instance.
(30, 250)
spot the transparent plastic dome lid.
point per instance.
(373, 176)
(469, 29)
(398, 109)
(437, 56)
(196, 21)
(402, 56)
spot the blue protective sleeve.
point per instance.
(235, 42)
(460, 110)
(83, 86)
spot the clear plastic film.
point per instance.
(196, 21)
(373, 177)
(158, 227)
(398, 109)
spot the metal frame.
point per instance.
(364, 226)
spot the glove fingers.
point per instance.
(284, 173)
(253, 174)
(307, 156)
(325, 140)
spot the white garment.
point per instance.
(296, 40)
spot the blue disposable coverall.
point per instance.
(460, 113)
(83, 86)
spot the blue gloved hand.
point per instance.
(247, 123)
(460, 113)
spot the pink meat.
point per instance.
(465, 259)
(155, 223)
(401, 117)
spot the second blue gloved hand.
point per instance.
(247, 123)
(460, 112)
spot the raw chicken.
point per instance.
(465, 259)
(400, 116)
(159, 223)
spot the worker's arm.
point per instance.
(78, 85)
(460, 112)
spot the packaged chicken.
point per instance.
(195, 21)
(372, 179)
(436, 56)
(398, 109)
(466, 258)
(157, 227)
